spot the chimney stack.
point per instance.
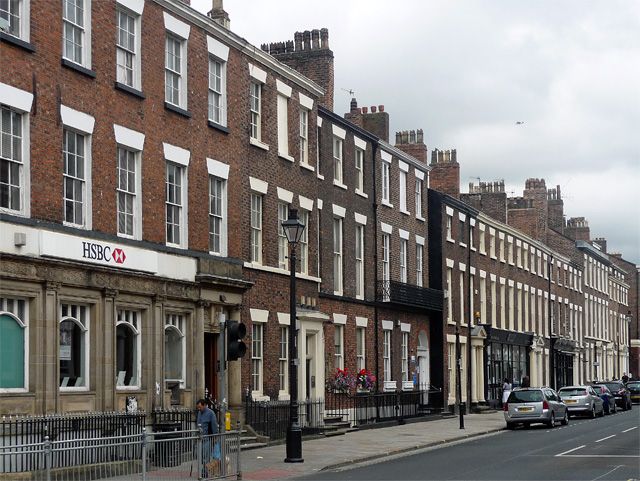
(217, 13)
(412, 142)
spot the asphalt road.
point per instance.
(605, 448)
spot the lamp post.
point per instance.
(458, 380)
(293, 230)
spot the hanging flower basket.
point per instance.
(365, 381)
(342, 381)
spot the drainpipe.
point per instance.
(550, 270)
(469, 321)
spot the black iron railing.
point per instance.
(409, 294)
(271, 418)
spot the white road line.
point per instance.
(600, 456)
(630, 429)
(571, 450)
(608, 437)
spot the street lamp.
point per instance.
(293, 230)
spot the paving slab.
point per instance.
(364, 445)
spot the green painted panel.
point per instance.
(11, 353)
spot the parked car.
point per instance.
(622, 394)
(608, 399)
(535, 405)
(634, 391)
(582, 400)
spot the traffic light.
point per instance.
(235, 347)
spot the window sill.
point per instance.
(258, 396)
(449, 239)
(361, 194)
(128, 388)
(75, 226)
(511, 264)
(78, 68)
(257, 143)
(462, 244)
(286, 157)
(320, 176)
(338, 293)
(503, 261)
(494, 258)
(72, 389)
(18, 42)
(420, 218)
(175, 246)
(307, 167)
(219, 127)
(339, 184)
(15, 391)
(405, 212)
(130, 90)
(277, 270)
(283, 396)
(177, 110)
(386, 203)
(473, 248)
(484, 253)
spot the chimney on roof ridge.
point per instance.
(217, 13)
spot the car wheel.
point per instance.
(625, 407)
(602, 412)
(552, 423)
(608, 410)
(593, 412)
(565, 420)
(511, 425)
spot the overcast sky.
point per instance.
(466, 71)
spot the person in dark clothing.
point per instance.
(208, 424)
(526, 382)
(206, 418)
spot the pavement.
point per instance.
(366, 445)
(605, 448)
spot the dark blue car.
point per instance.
(608, 399)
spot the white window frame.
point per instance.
(219, 92)
(23, 322)
(24, 162)
(215, 181)
(257, 359)
(178, 323)
(418, 205)
(86, 328)
(303, 136)
(256, 210)
(386, 355)
(283, 361)
(419, 262)
(338, 152)
(338, 264)
(84, 29)
(359, 166)
(404, 348)
(86, 181)
(304, 242)
(282, 110)
(23, 19)
(255, 107)
(338, 358)
(170, 70)
(403, 260)
(361, 357)
(386, 254)
(183, 207)
(124, 51)
(385, 167)
(402, 176)
(123, 317)
(126, 191)
(359, 261)
(283, 243)
(449, 295)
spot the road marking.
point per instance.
(599, 456)
(608, 437)
(608, 472)
(630, 429)
(571, 450)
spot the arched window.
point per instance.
(174, 349)
(74, 346)
(13, 344)
(128, 349)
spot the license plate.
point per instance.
(570, 401)
(525, 409)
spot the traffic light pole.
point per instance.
(222, 378)
(294, 432)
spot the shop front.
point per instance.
(563, 361)
(506, 357)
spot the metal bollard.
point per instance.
(47, 458)
(144, 454)
(238, 465)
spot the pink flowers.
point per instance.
(365, 380)
(342, 381)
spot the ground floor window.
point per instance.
(74, 346)
(338, 342)
(127, 348)
(256, 357)
(386, 354)
(174, 349)
(360, 348)
(13, 347)
(284, 359)
(505, 361)
(563, 364)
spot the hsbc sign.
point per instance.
(69, 247)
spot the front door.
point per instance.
(211, 365)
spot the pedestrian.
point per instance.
(625, 378)
(526, 382)
(208, 424)
(506, 390)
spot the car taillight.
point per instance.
(506, 407)
(545, 405)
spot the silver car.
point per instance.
(535, 405)
(582, 400)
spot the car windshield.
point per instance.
(572, 392)
(635, 385)
(613, 386)
(525, 397)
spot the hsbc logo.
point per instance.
(99, 252)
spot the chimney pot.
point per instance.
(398, 138)
(297, 40)
(315, 39)
(365, 110)
(381, 108)
(324, 38)
(354, 105)
(373, 109)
